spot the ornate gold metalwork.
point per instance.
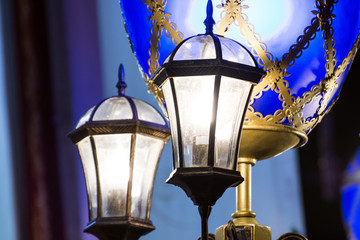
(161, 23)
(326, 86)
(266, 136)
(232, 14)
(329, 82)
(278, 71)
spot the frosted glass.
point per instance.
(173, 122)
(231, 106)
(147, 154)
(234, 52)
(195, 104)
(88, 163)
(113, 153)
(115, 108)
(85, 118)
(148, 113)
(199, 47)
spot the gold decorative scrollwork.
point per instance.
(277, 71)
(331, 81)
(232, 14)
(161, 23)
(302, 43)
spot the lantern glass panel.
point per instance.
(148, 113)
(234, 52)
(88, 163)
(115, 108)
(233, 95)
(199, 47)
(147, 154)
(195, 105)
(169, 98)
(113, 160)
(85, 118)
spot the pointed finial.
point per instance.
(209, 21)
(121, 85)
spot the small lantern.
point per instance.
(206, 81)
(120, 141)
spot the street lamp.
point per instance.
(206, 81)
(120, 141)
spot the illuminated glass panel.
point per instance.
(200, 47)
(233, 95)
(88, 163)
(115, 108)
(195, 104)
(147, 154)
(168, 94)
(113, 160)
(233, 52)
(147, 113)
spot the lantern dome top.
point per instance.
(211, 46)
(122, 108)
(209, 54)
(120, 115)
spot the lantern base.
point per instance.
(204, 185)
(119, 228)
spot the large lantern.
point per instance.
(120, 141)
(206, 81)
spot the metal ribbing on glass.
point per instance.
(98, 188)
(218, 49)
(178, 128)
(211, 149)
(133, 108)
(240, 130)
(131, 170)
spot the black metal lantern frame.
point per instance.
(199, 171)
(114, 226)
(205, 184)
(205, 177)
(133, 126)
